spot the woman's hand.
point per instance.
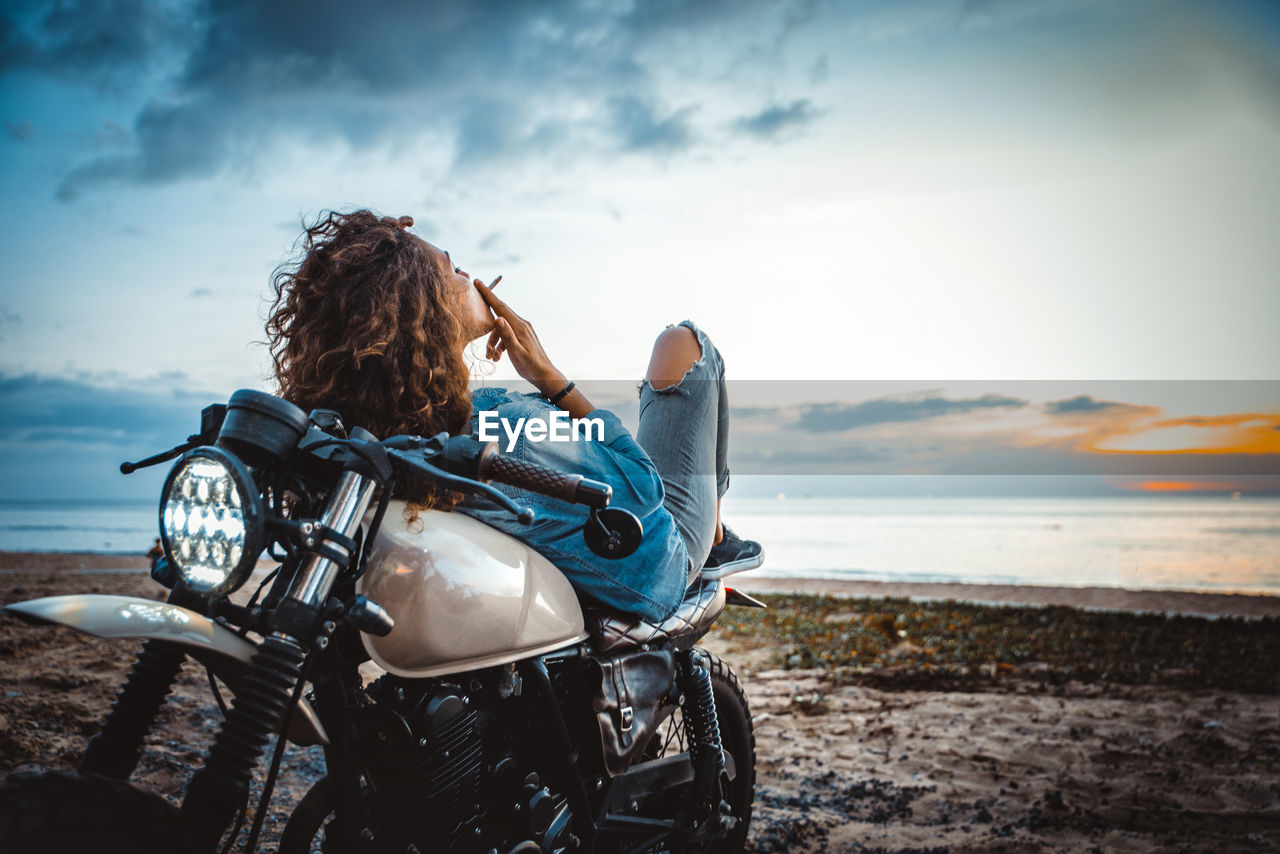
(514, 335)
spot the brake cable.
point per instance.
(253, 600)
(217, 694)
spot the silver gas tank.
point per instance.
(463, 595)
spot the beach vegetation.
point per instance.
(896, 641)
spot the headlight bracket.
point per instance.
(310, 535)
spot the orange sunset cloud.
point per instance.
(1183, 486)
(1242, 433)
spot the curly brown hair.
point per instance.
(362, 323)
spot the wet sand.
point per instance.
(1028, 767)
(1020, 766)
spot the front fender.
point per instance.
(130, 617)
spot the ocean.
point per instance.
(1154, 543)
(1149, 543)
(104, 527)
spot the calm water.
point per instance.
(68, 526)
(1146, 543)
(1154, 543)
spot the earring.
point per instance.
(481, 366)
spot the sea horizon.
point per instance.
(1196, 543)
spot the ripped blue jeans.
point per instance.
(684, 429)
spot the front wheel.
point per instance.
(302, 833)
(60, 812)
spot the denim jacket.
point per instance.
(651, 581)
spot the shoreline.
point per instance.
(1193, 603)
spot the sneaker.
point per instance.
(733, 554)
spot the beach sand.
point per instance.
(1010, 765)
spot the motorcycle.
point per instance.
(465, 699)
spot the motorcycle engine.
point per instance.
(425, 764)
(437, 770)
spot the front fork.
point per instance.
(220, 788)
(114, 752)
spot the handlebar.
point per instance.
(457, 462)
(312, 453)
(463, 463)
(522, 474)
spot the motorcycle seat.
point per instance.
(614, 631)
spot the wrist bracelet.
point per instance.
(563, 392)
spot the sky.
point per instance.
(884, 213)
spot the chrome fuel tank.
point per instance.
(463, 595)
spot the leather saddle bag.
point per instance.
(629, 702)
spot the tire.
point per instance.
(737, 738)
(306, 822)
(61, 812)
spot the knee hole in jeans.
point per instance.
(666, 366)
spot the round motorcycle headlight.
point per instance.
(211, 520)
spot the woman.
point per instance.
(373, 322)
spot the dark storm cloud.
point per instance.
(189, 140)
(65, 438)
(95, 39)
(1082, 403)
(21, 131)
(482, 81)
(775, 121)
(985, 7)
(753, 411)
(832, 417)
(37, 409)
(638, 126)
(8, 318)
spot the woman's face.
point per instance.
(472, 311)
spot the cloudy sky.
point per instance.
(953, 196)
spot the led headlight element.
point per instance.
(211, 520)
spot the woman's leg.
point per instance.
(684, 428)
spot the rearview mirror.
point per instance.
(613, 533)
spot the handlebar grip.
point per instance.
(522, 474)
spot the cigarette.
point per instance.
(494, 283)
